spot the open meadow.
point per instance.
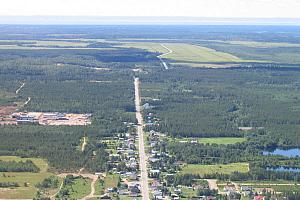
(185, 53)
(211, 169)
(26, 180)
(213, 140)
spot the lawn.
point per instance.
(188, 192)
(210, 169)
(99, 189)
(277, 188)
(80, 188)
(124, 197)
(23, 177)
(214, 140)
(111, 180)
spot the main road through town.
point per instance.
(140, 132)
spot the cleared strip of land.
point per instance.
(213, 140)
(210, 169)
(182, 52)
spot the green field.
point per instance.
(262, 44)
(214, 140)
(47, 44)
(277, 187)
(193, 53)
(186, 52)
(222, 140)
(210, 169)
(99, 189)
(23, 177)
(111, 180)
(81, 188)
(149, 46)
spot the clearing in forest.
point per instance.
(182, 52)
(26, 180)
(213, 140)
(210, 169)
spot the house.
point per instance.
(174, 197)
(233, 195)
(105, 196)
(134, 189)
(247, 193)
(229, 189)
(177, 191)
(26, 119)
(259, 198)
(153, 160)
(61, 116)
(123, 192)
(111, 189)
(157, 195)
(133, 177)
(246, 188)
(154, 171)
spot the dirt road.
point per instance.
(212, 184)
(84, 143)
(93, 177)
(92, 194)
(28, 100)
(52, 197)
(140, 132)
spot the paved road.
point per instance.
(142, 154)
(160, 56)
(18, 90)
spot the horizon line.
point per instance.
(141, 20)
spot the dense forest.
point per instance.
(209, 103)
(13, 166)
(67, 82)
(181, 32)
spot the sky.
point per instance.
(188, 8)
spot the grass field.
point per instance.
(205, 65)
(149, 46)
(80, 188)
(262, 44)
(111, 180)
(186, 53)
(99, 189)
(223, 140)
(23, 177)
(209, 169)
(44, 44)
(125, 197)
(193, 53)
(277, 188)
(214, 140)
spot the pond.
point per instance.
(284, 169)
(284, 152)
